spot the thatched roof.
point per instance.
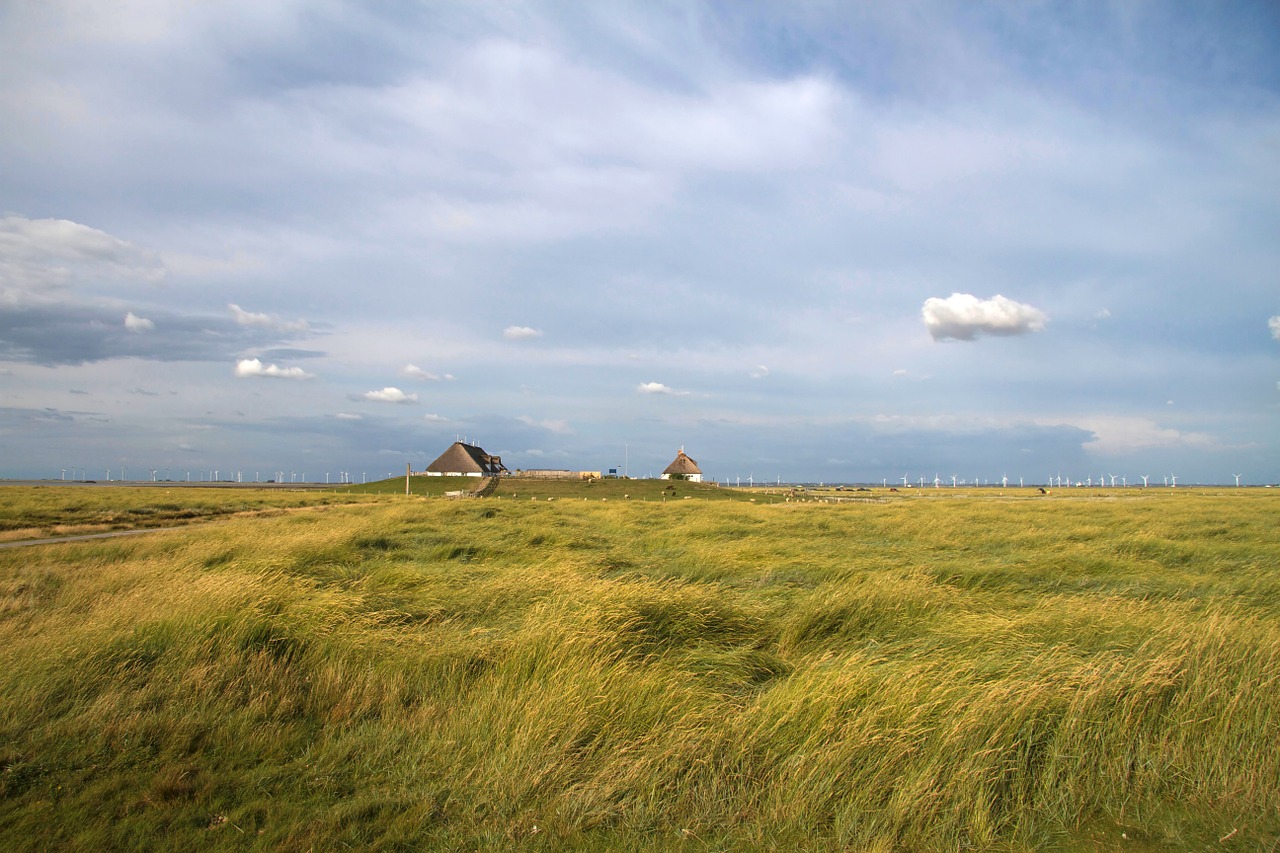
(683, 465)
(467, 459)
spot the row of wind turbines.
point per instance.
(1058, 481)
(213, 475)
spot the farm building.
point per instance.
(465, 460)
(557, 474)
(683, 468)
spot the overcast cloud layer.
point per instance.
(838, 242)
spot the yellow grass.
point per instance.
(974, 672)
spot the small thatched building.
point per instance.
(466, 460)
(683, 468)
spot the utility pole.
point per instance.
(406, 479)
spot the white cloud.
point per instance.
(963, 317)
(760, 372)
(349, 416)
(390, 395)
(1118, 434)
(38, 256)
(134, 323)
(252, 367)
(1274, 325)
(520, 333)
(434, 418)
(558, 426)
(659, 388)
(412, 371)
(265, 321)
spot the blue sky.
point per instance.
(807, 241)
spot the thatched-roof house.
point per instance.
(466, 460)
(683, 468)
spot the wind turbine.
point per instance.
(1004, 481)
(953, 481)
(936, 481)
(1174, 477)
(1144, 480)
(1113, 480)
(1238, 476)
(904, 481)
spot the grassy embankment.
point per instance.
(918, 674)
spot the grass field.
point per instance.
(29, 512)
(966, 671)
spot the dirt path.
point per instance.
(80, 537)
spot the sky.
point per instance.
(815, 241)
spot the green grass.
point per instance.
(968, 673)
(419, 485)
(615, 489)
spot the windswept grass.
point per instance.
(29, 512)
(632, 675)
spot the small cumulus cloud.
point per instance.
(252, 367)
(390, 395)
(520, 333)
(265, 321)
(134, 323)
(659, 388)
(1274, 325)
(435, 419)
(412, 371)
(964, 317)
(349, 416)
(760, 372)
